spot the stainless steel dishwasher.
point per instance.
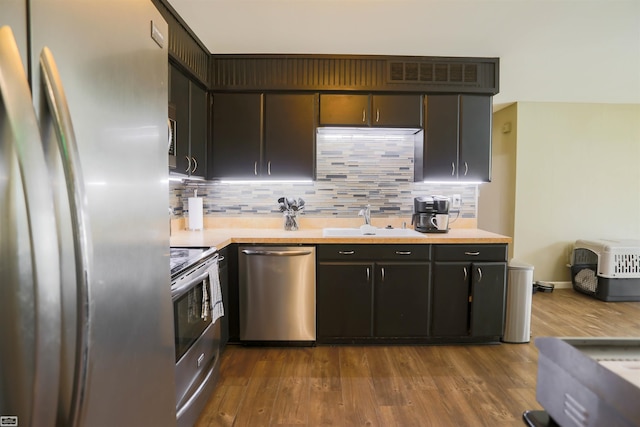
(277, 294)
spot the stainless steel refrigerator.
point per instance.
(86, 329)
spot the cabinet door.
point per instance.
(344, 110)
(290, 132)
(344, 300)
(179, 96)
(198, 126)
(236, 135)
(396, 111)
(488, 282)
(401, 300)
(440, 156)
(450, 303)
(475, 138)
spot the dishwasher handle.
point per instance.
(275, 253)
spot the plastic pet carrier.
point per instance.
(608, 270)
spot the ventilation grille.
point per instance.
(421, 72)
(353, 73)
(627, 264)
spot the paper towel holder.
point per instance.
(196, 220)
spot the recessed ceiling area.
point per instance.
(549, 50)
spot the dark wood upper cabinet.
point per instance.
(476, 115)
(265, 136)
(236, 130)
(179, 96)
(457, 139)
(396, 111)
(400, 111)
(344, 110)
(198, 108)
(289, 133)
(190, 101)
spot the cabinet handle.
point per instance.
(346, 252)
(403, 252)
(364, 115)
(453, 169)
(269, 167)
(195, 164)
(382, 271)
(472, 253)
(188, 167)
(377, 115)
(479, 275)
(170, 133)
(255, 168)
(368, 274)
(466, 168)
(465, 273)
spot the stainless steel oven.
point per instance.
(197, 331)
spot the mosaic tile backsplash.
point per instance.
(352, 170)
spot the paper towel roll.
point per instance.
(195, 213)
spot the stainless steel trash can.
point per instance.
(519, 291)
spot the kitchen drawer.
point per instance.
(470, 253)
(395, 252)
(403, 252)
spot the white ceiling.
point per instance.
(549, 50)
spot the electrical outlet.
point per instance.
(456, 201)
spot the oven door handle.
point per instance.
(183, 289)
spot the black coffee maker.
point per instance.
(431, 214)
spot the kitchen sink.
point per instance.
(371, 232)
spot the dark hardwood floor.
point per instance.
(470, 385)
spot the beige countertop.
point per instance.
(221, 237)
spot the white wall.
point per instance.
(496, 199)
(577, 177)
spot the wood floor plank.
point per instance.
(388, 385)
(361, 407)
(222, 408)
(325, 369)
(292, 400)
(326, 408)
(439, 386)
(257, 407)
(358, 393)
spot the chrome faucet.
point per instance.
(366, 213)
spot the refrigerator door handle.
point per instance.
(58, 113)
(25, 143)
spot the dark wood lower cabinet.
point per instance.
(450, 306)
(468, 299)
(488, 289)
(401, 300)
(344, 300)
(372, 292)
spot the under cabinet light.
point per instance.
(274, 181)
(454, 182)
